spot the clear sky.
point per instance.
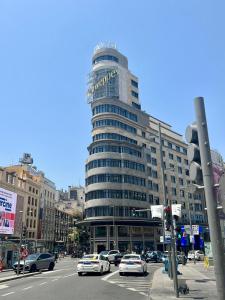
(176, 48)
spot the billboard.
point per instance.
(7, 211)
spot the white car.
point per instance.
(132, 263)
(94, 263)
(198, 255)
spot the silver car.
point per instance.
(35, 262)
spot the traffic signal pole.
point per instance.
(211, 199)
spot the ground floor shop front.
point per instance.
(125, 236)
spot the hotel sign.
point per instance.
(101, 82)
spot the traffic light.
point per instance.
(168, 218)
(24, 232)
(193, 154)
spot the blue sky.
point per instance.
(176, 48)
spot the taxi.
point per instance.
(132, 263)
(93, 263)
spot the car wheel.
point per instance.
(101, 271)
(33, 268)
(79, 273)
(51, 266)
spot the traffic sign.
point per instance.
(195, 229)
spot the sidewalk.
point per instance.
(201, 283)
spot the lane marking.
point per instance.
(27, 288)
(70, 275)
(4, 295)
(3, 286)
(55, 279)
(132, 289)
(144, 294)
(43, 283)
(109, 275)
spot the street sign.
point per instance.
(195, 229)
(167, 239)
(187, 229)
(161, 239)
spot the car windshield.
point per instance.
(104, 252)
(131, 257)
(113, 252)
(32, 256)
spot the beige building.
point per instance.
(35, 203)
(72, 200)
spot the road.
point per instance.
(63, 283)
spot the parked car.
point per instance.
(154, 256)
(197, 254)
(35, 262)
(132, 263)
(93, 263)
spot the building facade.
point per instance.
(123, 171)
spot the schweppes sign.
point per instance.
(101, 82)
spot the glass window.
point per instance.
(153, 149)
(113, 136)
(134, 94)
(170, 156)
(109, 108)
(170, 145)
(105, 57)
(179, 159)
(134, 83)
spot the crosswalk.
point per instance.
(141, 285)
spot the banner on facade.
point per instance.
(176, 210)
(157, 211)
(7, 211)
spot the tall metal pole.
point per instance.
(210, 195)
(191, 230)
(114, 231)
(18, 263)
(163, 183)
(173, 238)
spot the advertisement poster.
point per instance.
(7, 211)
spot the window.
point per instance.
(103, 108)
(179, 169)
(117, 163)
(33, 190)
(153, 149)
(181, 181)
(178, 148)
(135, 105)
(170, 156)
(143, 134)
(187, 172)
(170, 145)
(113, 136)
(154, 174)
(116, 194)
(182, 193)
(174, 191)
(116, 178)
(134, 83)
(173, 179)
(114, 123)
(134, 94)
(36, 192)
(155, 187)
(105, 57)
(185, 151)
(150, 198)
(172, 166)
(186, 162)
(154, 161)
(32, 201)
(179, 159)
(148, 158)
(164, 154)
(28, 199)
(30, 188)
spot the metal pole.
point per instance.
(114, 232)
(190, 222)
(18, 263)
(173, 256)
(210, 195)
(163, 182)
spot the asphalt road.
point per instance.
(63, 283)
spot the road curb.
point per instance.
(19, 277)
